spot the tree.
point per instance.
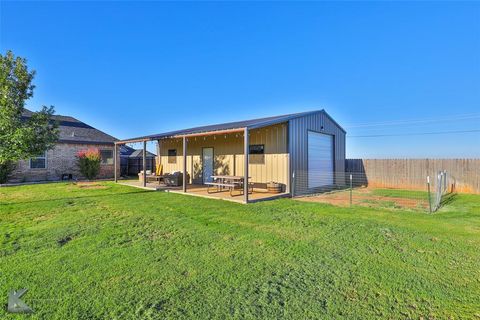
(21, 137)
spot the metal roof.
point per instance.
(250, 124)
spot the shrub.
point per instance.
(6, 169)
(88, 162)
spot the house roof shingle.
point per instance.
(72, 130)
(139, 153)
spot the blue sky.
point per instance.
(134, 68)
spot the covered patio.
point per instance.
(201, 191)
(203, 155)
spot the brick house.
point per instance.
(60, 162)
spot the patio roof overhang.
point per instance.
(186, 135)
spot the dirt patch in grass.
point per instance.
(366, 197)
(90, 185)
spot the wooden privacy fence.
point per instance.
(463, 174)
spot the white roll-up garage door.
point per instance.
(320, 160)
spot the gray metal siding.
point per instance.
(298, 149)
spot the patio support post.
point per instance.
(184, 164)
(159, 156)
(144, 159)
(245, 171)
(115, 162)
(289, 179)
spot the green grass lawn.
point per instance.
(122, 253)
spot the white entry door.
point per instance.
(320, 160)
(207, 164)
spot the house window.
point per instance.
(172, 155)
(107, 156)
(256, 149)
(39, 162)
(256, 153)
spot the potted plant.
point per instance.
(274, 187)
